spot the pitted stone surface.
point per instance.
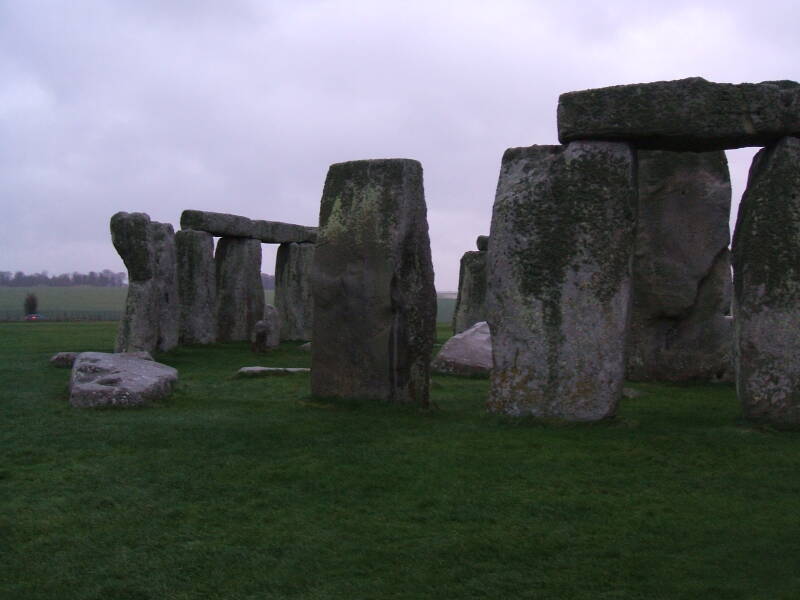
(240, 296)
(224, 225)
(267, 332)
(293, 297)
(372, 282)
(766, 308)
(687, 114)
(681, 270)
(559, 279)
(101, 380)
(471, 300)
(466, 353)
(197, 286)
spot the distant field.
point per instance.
(103, 303)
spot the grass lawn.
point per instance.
(250, 489)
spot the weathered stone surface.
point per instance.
(372, 282)
(240, 296)
(471, 300)
(102, 380)
(293, 290)
(766, 307)
(466, 353)
(271, 371)
(165, 267)
(197, 286)
(269, 232)
(63, 359)
(267, 332)
(687, 114)
(559, 279)
(152, 311)
(681, 270)
(482, 243)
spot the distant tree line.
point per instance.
(105, 278)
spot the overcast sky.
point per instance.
(241, 106)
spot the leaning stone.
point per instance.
(681, 270)
(240, 295)
(467, 353)
(270, 371)
(63, 359)
(687, 114)
(372, 282)
(197, 286)
(224, 225)
(165, 265)
(267, 332)
(471, 300)
(766, 308)
(101, 380)
(559, 279)
(482, 243)
(132, 238)
(293, 290)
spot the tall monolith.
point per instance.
(165, 266)
(197, 286)
(766, 308)
(559, 279)
(681, 272)
(293, 298)
(132, 237)
(372, 283)
(240, 294)
(471, 300)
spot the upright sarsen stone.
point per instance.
(293, 290)
(681, 270)
(197, 286)
(372, 283)
(152, 310)
(559, 279)
(766, 308)
(165, 266)
(471, 301)
(240, 295)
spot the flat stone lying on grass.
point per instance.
(63, 359)
(687, 114)
(270, 371)
(467, 353)
(101, 380)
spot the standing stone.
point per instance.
(372, 283)
(165, 267)
(267, 332)
(686, 114)
(681, 270)
(197, 286)
(132, 237)
(482, 242)
(766, 308)
(240, 295)
(559, 279)
(471, 300)
(293, 290)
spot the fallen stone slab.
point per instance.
(225, 225)
(101, 380)
(686, 114)
(467, 353)
(63, 359)
(270, 371)
(766, 307)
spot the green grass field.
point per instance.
(251, 489)
(108, 302)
